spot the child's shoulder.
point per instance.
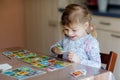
(91, 40)
(91, 37)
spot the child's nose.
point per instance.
(70, 32)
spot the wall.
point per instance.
(11, 23)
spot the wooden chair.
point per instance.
(109, 60)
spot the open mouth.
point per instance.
(72, 37)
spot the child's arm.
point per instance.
(93, 54)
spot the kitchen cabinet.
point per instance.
(108, 35)
(41, 24)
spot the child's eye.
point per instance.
(74, 30)
(65, 29)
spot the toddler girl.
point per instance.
(78, 45)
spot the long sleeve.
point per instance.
(93, 53)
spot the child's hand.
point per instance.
(57, 50)
(73, 57)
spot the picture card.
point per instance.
(23, 72)
(80, 72)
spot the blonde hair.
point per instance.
(77, 13)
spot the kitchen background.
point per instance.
(35, 24)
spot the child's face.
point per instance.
(75, 31)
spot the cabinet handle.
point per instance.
(105, 23)
(116, 36)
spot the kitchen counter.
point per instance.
(113, 11)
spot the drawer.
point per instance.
(106, 23)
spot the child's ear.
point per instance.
(86, 25)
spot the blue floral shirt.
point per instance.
(86, 48)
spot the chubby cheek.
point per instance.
(79, 34)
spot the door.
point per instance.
(41, 24)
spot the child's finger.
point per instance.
(70, 57)
(57, 50)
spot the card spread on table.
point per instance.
(43, 62)
(23, 72)
(46, 62)
(78, 73)
(19, 54)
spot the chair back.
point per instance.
(109, 60)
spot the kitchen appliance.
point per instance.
(102, 5)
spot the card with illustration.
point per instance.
(23, 72)
(19, 54)
(43, 62)
(36, 59)
(50, 64)
(78, 73)
(46, 62)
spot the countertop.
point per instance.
(112, 11)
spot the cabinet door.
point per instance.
(107, 23)
(110, 41)
(41, 24)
